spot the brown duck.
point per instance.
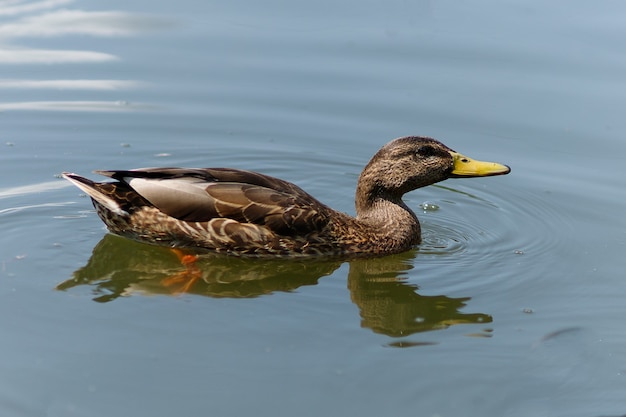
(251, 214)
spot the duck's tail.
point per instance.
(93, 190)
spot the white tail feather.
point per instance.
(86, 185)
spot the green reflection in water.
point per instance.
(122, 267)
(387, 303)
(393, 307)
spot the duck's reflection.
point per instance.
(393, 307)
(389, 305)
(121, 267)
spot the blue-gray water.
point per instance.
(512, 306)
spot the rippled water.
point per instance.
(511, 306)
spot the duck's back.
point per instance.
(213, 208)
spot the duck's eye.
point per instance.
(426, 151)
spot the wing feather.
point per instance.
(201, 195)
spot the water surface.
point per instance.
(512, 306)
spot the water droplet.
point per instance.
(428, 206)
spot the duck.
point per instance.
(246, 213)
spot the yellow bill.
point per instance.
(467, 167)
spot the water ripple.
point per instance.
(475, 224)
(32, 188)
(45, 19)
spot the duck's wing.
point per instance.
(202, 194)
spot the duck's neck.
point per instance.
(388, 219)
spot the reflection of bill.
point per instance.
(121, 267)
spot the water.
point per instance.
(512, 306)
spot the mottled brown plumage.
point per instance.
(247, 213)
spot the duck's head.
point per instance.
(411, 162)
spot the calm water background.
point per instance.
(513, 306)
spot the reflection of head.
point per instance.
(392, 307)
